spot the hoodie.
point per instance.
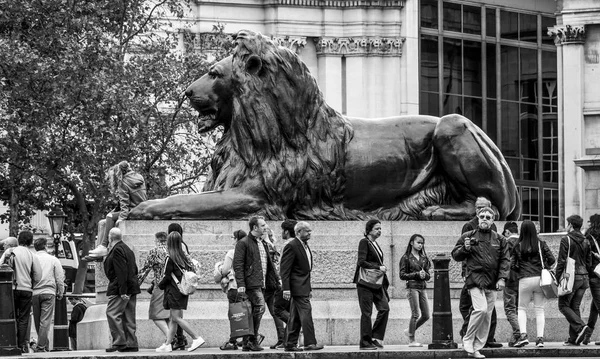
(131, 192)
(580, 252)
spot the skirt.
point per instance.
(174, 299)
(157, 310)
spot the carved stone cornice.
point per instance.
(395, 4)
(294, 43)
(363, 46)
(567, 34)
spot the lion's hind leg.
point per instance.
(474, 167)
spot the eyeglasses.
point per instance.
(487, 218)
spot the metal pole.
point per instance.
(442, 334)
(8, 324)
(61, 324)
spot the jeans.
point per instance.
(480, 320)
(256, 297)
(419, 308)
(511, 298)
(569, 306)
(529, 288)
(366, 298)
(43, 312)
(105, 226)
(595, 290)
(23, 301)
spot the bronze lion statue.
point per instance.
(286, 154)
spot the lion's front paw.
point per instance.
(434, 213)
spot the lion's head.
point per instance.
(280, 134)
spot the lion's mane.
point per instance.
(282, 134)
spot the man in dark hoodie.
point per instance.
(579, 249)
(130, 189)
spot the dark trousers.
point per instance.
(279, 324)
(569, 306)
(120, 315)
(256, 297)
(23, 302)
(282, 307)
(595, 290)
(466, 307)
(366, 299)
(300, 318)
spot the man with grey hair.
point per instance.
(7, 243)
(296, 267)
(121, 270)
(45, 292)
(487, 259)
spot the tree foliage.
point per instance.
(84, 85)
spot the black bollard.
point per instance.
(442, 333)
(8, 324)
(61, 326)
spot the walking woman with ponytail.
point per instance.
(414, 269)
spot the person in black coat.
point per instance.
(296, 267)
(370, 256)
(121, 270)
(77, 313)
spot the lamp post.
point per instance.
(57, 218)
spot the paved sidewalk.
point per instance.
(344, 352)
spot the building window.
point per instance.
(499, 70)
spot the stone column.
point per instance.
(570, 40)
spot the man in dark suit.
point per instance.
(121, 270)
(296, 265)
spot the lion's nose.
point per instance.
(189, 92)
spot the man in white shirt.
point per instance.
(45, 292)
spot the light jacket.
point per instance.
(131, 192)
(28, 271)
(53, 275)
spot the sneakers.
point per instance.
(96, 254)
(582, 333)
(165, 348)
(569, 343)
(522, 341)
(539, 342)
(196, 343)
(228, 346)
(476, 354)
(513, 340)
(586, 339)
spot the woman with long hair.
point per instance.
(414, 269)
(174, 300)
(370, 256)
(527, 256)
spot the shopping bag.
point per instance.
(548, 284)
(370, 278)
(565, 285)
(240, 319)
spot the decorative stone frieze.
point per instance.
(567, 34)
(398, 4)
(364, 46)
(294, 43)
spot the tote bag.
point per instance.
(240, 319)
(565, 285)
(547, 279)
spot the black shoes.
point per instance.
(377, 343)
(252, 347)
(128, 350)
(293, 349)
(367, 347)
(493, 345)
(228, 346)
(313, 347)
(278, 345)
(582, 333)
(114, 349)
(179, 343)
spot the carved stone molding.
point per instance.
(397, 4)
(204, 41)
(294, 43)
(567, 34)
(364, 46)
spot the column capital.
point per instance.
(294, 43)
(567, 34)
(359, 46)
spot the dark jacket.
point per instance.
(76, 316)
(513, 279)
(580, 252)
(121, 270)
(594, 249)
(529, 264)
(368, 258)
(248, 268)
(410, 266)
(295, 269)
(486, 262)
(131, 192)
(173, 298)
(472, 225)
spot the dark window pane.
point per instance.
(509, 62)
(530, 170)
(452, 104)
(550, 147)
(491, 122)
(429, 63)
(528, 75)
(546, 23)
(451, 16)
(429, 14)
(528, 131)
(472, 68)
(528, 28)
(509, 25)
(491, 69)
(510, 129)
(549, 90)
(533, 204)
(453, 75)
(429, 104)
(515, 167)
(490, 22)
(472, 19)
(473, 110)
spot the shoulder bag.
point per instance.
(189, 281)
(547, 279)
(565, 285)
(370, 277)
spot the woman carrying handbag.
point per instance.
(371, 286)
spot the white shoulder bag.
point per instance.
(565, 284)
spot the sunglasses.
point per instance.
(487, 218)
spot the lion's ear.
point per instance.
(253, 65)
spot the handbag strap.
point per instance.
(540, 252)
(376, 252)
(596, 243)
